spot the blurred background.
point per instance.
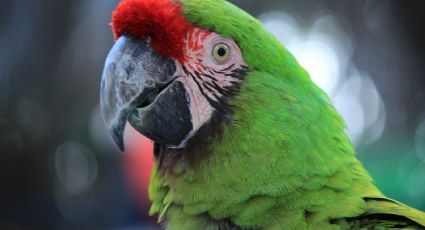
(60, 170)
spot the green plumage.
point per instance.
(285, 162)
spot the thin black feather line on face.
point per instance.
(227, 92)
(215, 104)
(239, 73)
(209, 99)
(221, 100)
(186, 72)
(209, 76)
(205, 84)
(220, 95)
(210, 71)
(223, 71)
(216, 87)
(214, 90)
(244, 67)
(198, 84)
(227, 68)
(218, 105)
(199, 76)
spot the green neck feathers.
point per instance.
(285, 157)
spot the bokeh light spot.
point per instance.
(11, 147)
(415, 184)
(325, 50)
(75, 167)
(420, 141)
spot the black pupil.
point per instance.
(221, 51)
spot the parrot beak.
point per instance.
(138, 85)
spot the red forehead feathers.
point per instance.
(160, 20)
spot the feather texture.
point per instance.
(284, 162)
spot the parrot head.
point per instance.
(169, 78)
(176, 67)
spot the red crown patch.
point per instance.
(160, 20)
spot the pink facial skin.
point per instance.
(202, 74)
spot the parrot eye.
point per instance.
(221, 52)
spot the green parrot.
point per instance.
(243, 139)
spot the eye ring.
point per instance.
(221, 52)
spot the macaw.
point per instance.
(243, 139)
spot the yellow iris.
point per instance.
(221, 52)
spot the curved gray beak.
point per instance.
(133, 76)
